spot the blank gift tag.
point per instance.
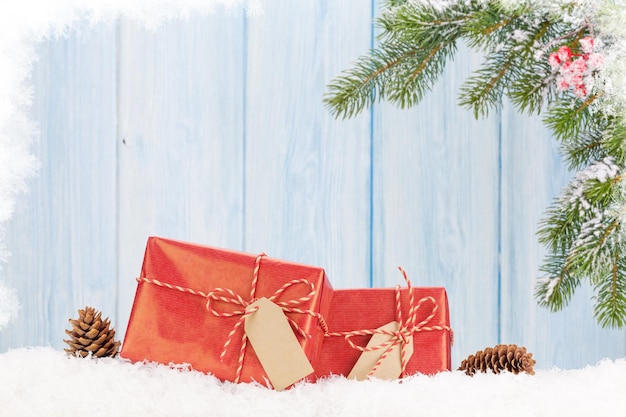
(391, 366)
(276, 345)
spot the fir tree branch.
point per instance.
(568, 120)
(414, 23)
(602, 140)
(610, 298)
(353, 90)
(398, 73)
(530, 93)
(530, 90)
(591, 253)
(583, 239)
(489, 27)
(485, 88)
(513, 64)
(406, 64)
(556, 289)
(614, 139)
(558, 229)
(576, 34)
(581, 230)
(420, 68)
(389, 65)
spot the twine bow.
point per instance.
(228, 296)
(406, 328)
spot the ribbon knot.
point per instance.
(403, 334)
(227, 296)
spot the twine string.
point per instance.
(406, 328)
(227, 296)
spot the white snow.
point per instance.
(600, 170)
(40, 381)
(45, 382)
(551, 283)
(520, 35)
(9, 305)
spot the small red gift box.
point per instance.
(357, 313)
(191, 298)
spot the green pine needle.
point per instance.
(581, 229)
(556, 289)
(399, 73)
(571, 117)
(610, 298)
(484, 90)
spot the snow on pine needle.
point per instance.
(600, 171)
(563, 59)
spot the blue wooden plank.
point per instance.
(62, 235)
(307, 175)
(436, 204)
(181, 129)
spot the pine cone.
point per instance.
(91, 335)
(501, 357)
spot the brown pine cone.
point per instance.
(91, 335)
(501, 357)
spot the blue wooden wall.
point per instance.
(211, 129)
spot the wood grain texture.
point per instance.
(436, 204)
(181, 127)
(62, 236)
(307, 175)
(533, 174)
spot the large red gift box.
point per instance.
(354, 310)
(171, 322)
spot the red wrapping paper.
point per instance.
(370, 308)
(171, 326)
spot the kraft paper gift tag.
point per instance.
(276, 345)
(391, 366)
